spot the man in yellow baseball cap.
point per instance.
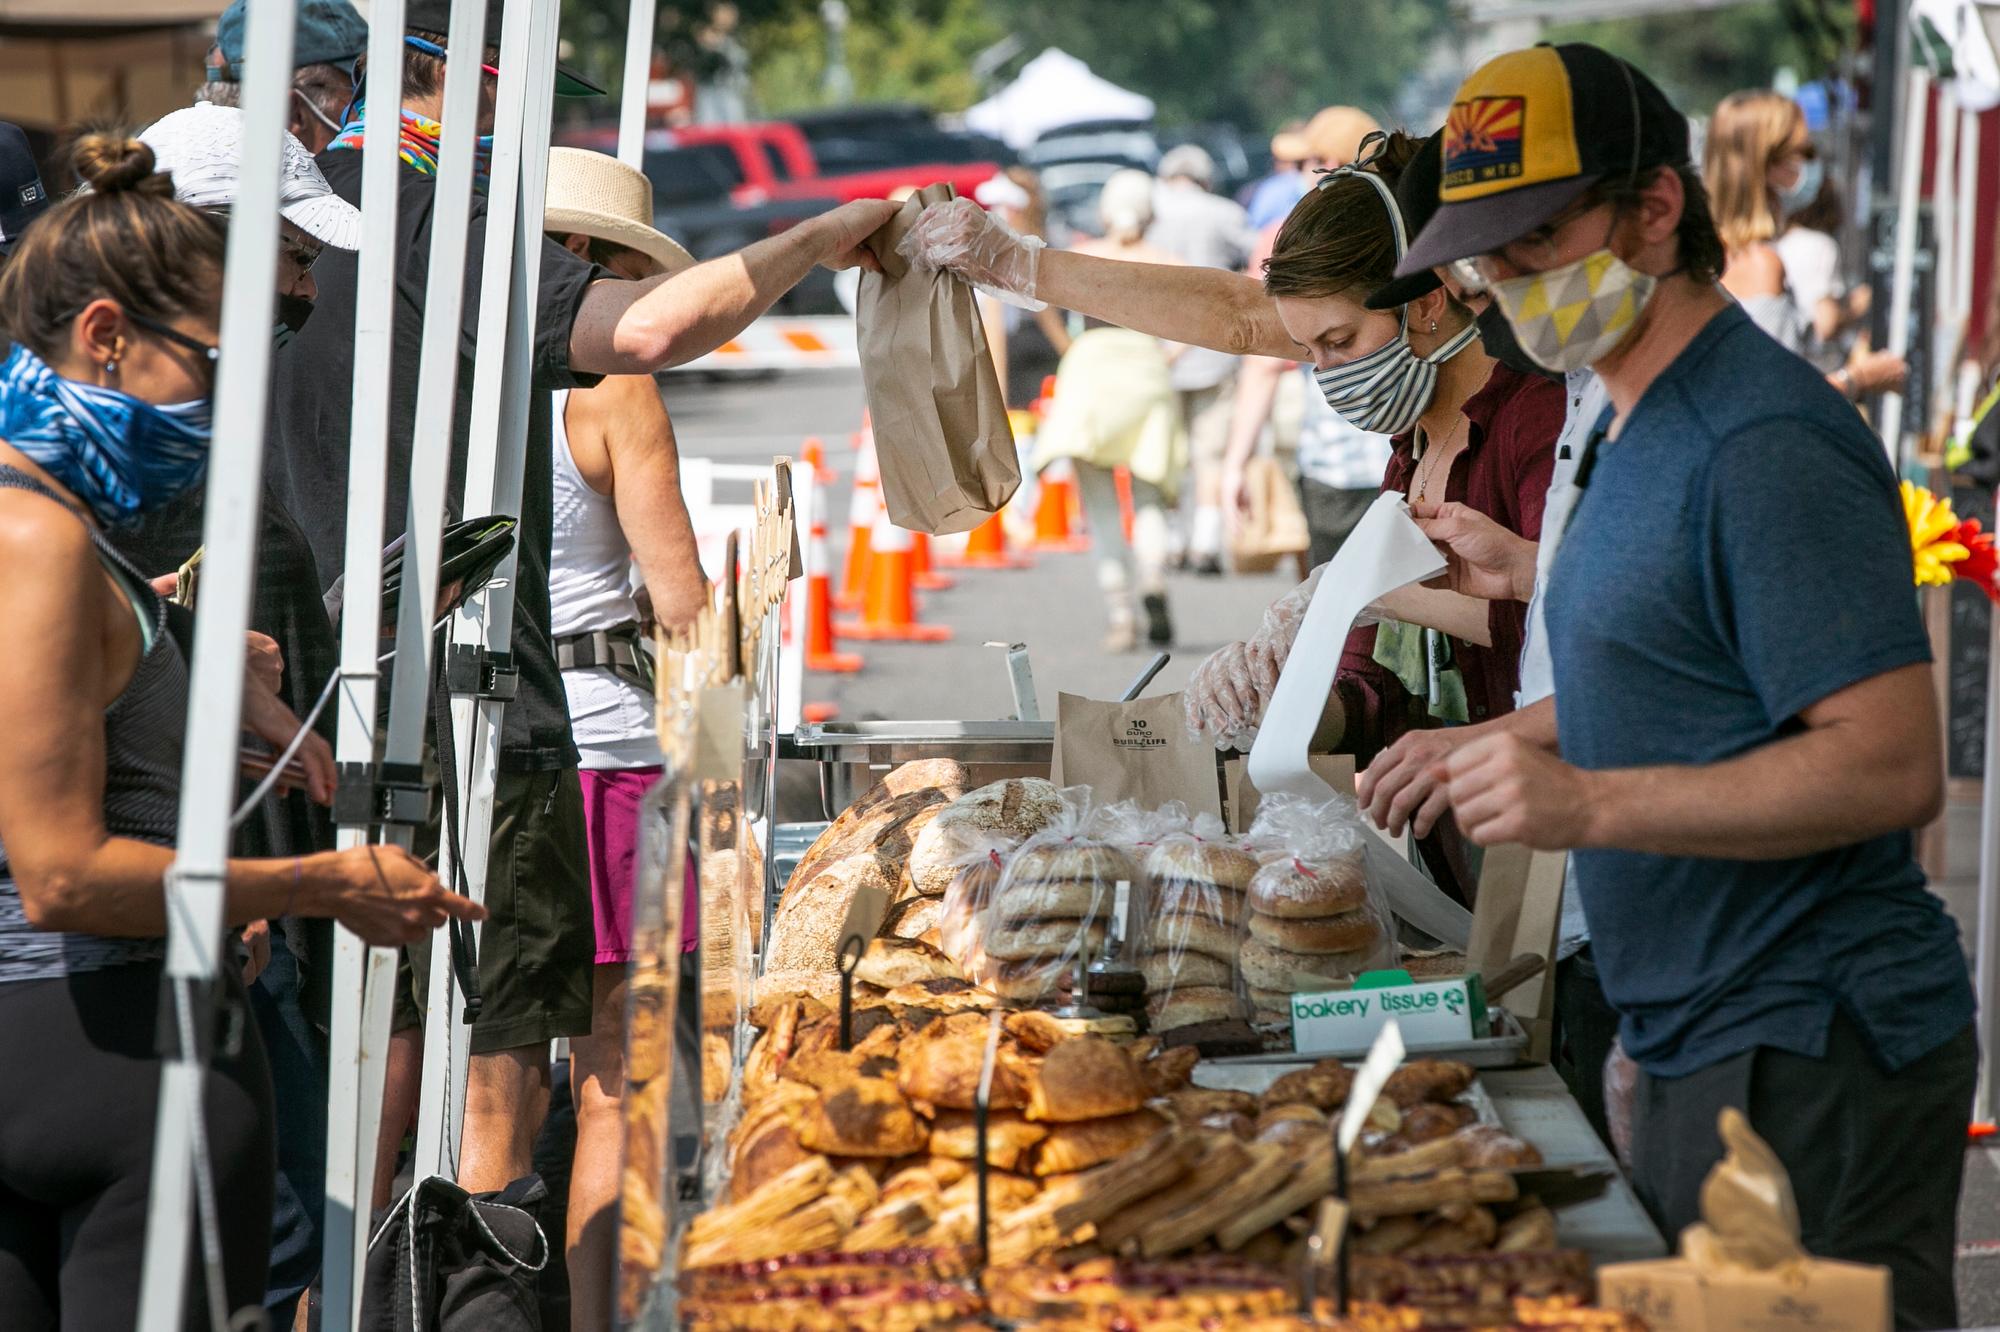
(1747, 731)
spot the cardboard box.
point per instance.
(1429, 1013)
(1817, 1295)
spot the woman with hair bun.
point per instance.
(111, 302)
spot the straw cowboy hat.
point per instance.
(595, 195)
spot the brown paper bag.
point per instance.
(941, 433)
(1275, 527)
(1138, 751)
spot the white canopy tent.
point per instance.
(1054, 89)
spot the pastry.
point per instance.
(1195, 862)
(1423, 1080)
(1277, 969)
(864, 1117)
(1324, 1086)
(1355, 932)
(891, 962)
(915, 918)
(1009, 1137)
(1050, 941)
(942, 1070)
(1086, 1077)
(1052, 899)
(1079, 1146)
(1296, 889)
(1217, 1040)
(1190, 1105)
(1188, 1005)
(1164, 971)
(1183, 932)
(1168, 1071)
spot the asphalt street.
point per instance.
(1056, 609)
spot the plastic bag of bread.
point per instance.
(1008, 811)
(1197, 881)
(961, 926)
(1052, 908)
(1313, 916)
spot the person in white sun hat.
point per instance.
(617, 502)
(201, 147)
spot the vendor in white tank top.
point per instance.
(617, 503)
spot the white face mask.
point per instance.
(1812, 173)
(1575, 315)
(1386, 391)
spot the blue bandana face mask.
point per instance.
(121, 456)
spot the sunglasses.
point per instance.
(208, 354)
(1536, 252)
(431, 48)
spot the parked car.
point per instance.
(1239, 160)
(699, 199)
(1121, 143)
(886, 135)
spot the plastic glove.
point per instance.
(1227, 693)
(1221, 698)
(960, 237)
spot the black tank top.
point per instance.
(143, 732)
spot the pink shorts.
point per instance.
(611, 799)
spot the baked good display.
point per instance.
(1052, 910)
(1006, 812)
(1310, 918)
(1085, 1078)
(1197, 884)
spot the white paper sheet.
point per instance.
(1385, 551)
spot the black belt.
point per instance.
(619, 649)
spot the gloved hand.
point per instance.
(961, 237)
(1227, 693)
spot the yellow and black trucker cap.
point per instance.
(1528, 133)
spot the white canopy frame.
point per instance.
(510, 282)
(196, 883)
(363, 977)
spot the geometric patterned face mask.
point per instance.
(1573, 316)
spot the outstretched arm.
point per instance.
(635, 328)
(1205, 307)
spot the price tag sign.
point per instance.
(864, 916)
(1375, 1070)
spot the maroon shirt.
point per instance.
(1503, 472)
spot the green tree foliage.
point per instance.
(1256, 63)
(1699, 59)
(920, 53)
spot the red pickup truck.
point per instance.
(776, 162)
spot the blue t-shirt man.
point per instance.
(1739, 553)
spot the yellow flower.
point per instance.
(1931, 520)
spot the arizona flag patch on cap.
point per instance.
(1482, 139)
(1513, 125)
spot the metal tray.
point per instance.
(1505, 1049)
(887, 742)
(1256, 1078)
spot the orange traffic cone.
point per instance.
(891, 610)
(986, 547)
(814, 452)
(923, 572)
(821, 655)
(862, 510)
(1053, 506)
(818, 712)
(1122, 476)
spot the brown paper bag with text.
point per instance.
(941, 433)
(1138, 751)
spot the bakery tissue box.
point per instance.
(1331, 1022)
(1741, 1266)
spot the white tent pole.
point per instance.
(1944, 231)
(446, 1043)
(1916, 101)
(355, 1076)
(638, 79)
(195, 883)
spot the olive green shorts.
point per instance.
(538, 945)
